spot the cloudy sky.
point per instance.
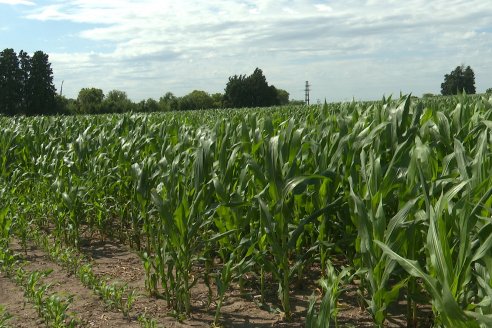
(345, 48)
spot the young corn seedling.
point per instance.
(5, 316)
(146, 322)
(55, 312)
(231, 270)
(127, 305)
(332, 287)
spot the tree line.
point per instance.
(26, 88)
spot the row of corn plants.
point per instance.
(51, 307)
(399, 188)
(115, 295)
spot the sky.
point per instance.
(346, 49)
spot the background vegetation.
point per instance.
(26, 87)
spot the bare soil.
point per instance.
(12, 298)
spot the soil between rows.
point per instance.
(12, 298)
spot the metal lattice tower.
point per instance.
(306, 93)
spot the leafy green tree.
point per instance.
(10, 82)
(168, 102)
(148, 106)
(459, 80)
(116, 101)
(90, 101)
(64, 105)
(282, 97)
(218, 99)
(196, 99)
(41, 90)
(250, 91)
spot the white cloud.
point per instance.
(323, 7)
(17, 2)
(364, 48)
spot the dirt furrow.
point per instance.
(86, 306)
(12, 298)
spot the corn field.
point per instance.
(399, 191)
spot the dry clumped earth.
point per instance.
(120, 264)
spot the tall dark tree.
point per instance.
(469, 80)
(262, 94)
(237, 92)
(41, 91)
(25, 66)
(10, 82)
(459, 80)
(250, 91)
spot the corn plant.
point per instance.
(55, 312)
(332, 287)
(5, 228)
(231, 270)
(5, 316)
(448, 278)
(146, 322)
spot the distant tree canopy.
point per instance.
(26, 88)
(168, 102)
(26, 83)
(282, 97)
(250, 91)
(89, 101)
(459, 80)
(196, 100)
(116, 101)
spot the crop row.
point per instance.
(400, 189)
(52, 308)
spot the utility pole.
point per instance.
(306, 93)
